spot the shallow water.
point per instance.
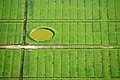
(42, 34)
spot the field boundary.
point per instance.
(55, 20)
(59, 47)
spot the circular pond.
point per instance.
(41, 34)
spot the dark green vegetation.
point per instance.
(75, 22)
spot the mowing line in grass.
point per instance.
(51, 9)
(57, 37)
(65, 64)
(73, 9)
(97, 33)
(96, 27)
(98, 63)
(112, 27)
(30, 9)
(81, 63)
(41, 63)
(36, 9)
(73, 30)
(20, 13)
(2, 54)
(26, 65)
(119, 61)
(103, 9)
(8, 67)
(60, 21)
(33, 63)
(95, 8)
(44, 9)
(16, 63)
(4, 37)
(104, 27)
(89, 63)
(18, 35)
(106, 64)
(57, 64)
(89, 37)
(1, 6)
(49, 63)
(88, 9)
(81, 33)
(6, 9)
(11, 33)
(118, 34)
(112, 39)
(73, 63)
(9, 78)
(65, 9)
(114, 63)
(13, 9)
(111, 9)
(58, 10)
(65, 39)
(112, 36)
(97, 38)
(8, 64)
(51, 41)
(100, 36)
(117, 5)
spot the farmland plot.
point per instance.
(85, 45)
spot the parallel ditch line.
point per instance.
(23, 41)
(67, 21)
(55, 20)
(12, 21)
(8, 78)
(67, 78)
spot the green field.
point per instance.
(88, 63)
(83, 33)
(10, 63)
(76, 23)
(11, 33)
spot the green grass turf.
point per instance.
(73, 9)
(80, 22)
(9, 79)
(72, 63)
(96, 33)
(11, 33)
(11, 9)
(10, 63)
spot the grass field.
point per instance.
(10, 63)
(75, 23)
(11, 33)
(90, 63)
(92, 33)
